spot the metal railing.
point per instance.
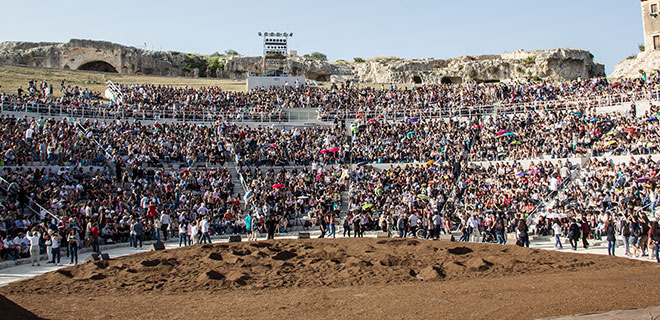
(106, 112)
(108, 156)
(437, 111)
(158, 113)
(32, 201)
(117, 95)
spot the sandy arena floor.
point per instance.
(340, 279)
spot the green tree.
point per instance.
(231, 52)
(317, 55)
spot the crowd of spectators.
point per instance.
(79, 200)
(410, 141)
(305, 196)
(266, 146)
(212, 103)
(154, 184)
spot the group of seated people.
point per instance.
(67, 198)
(153, 102)
(303, 195)
(176, 168)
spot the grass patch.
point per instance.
(12, 77)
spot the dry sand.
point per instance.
(344, 279)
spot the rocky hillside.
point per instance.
(548, 64)
(647, 61)
(110, 57)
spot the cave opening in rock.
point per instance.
(98, 65)
(417, 80)
(321, 77)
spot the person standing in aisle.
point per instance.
(556, 228)
(271, 224)
(165, 222)
(34, 237)
(574, 234)
(72, 238)
(204, 228)
(55, 239)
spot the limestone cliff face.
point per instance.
(629, 68)
(91, 55)
(558, 64)
(239, 67)
(110, 57)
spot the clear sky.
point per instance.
(610, 29)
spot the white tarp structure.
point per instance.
(254, 82)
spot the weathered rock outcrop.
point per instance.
(92, 55)
(550, 64)
(238, 67)
(629, 68)
(111, 57)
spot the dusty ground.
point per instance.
(344, 279)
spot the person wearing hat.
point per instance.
(55, 239)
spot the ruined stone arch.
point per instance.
(417, 79)
(98, 65)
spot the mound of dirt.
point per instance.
(293, 272)
(307, 263)
(12, 311)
